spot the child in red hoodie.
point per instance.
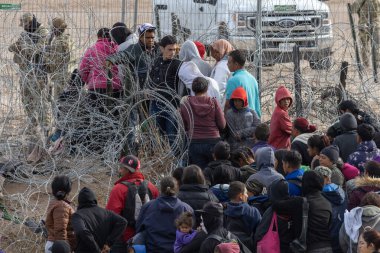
(280, 124)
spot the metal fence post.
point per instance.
(297, 80)
(135, 14)
(258, 53)
(123, 4)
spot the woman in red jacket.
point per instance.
(280, 124)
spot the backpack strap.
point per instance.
(295, 181)
(216, 237)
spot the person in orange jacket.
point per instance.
(281, 125)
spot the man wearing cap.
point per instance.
(139, 57)
(27, 54)
(129, 171)
(57, 56)
(212, 217)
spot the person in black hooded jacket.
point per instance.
(346, 142)
(289, 215)
(320, 214)
(212, 216)
(194, 190)
(95, 227)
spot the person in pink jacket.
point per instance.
(280, 124)
(92, 69)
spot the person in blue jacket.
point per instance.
(157, 218)
(292, 161)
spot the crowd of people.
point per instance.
(248, 187)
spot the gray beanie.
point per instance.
(348, 122)
(332, 152)
(324, 171)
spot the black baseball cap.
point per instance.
(130, 162)
(212, 208)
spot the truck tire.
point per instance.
(323, 63)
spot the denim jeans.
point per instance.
(165, 120)
(201, 153)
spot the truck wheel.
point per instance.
(324, 63)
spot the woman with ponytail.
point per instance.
(301, 132)
(369, 241)
(157, 218)
(58, 218)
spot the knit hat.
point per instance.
(348, 122)
(303, 125)
(60, 246)
(324, 171)
(254, 186)
(349, 171)
(59, 23)
(312, 182)
(332, 152)
(201, 48)
(130, 162)
(278, 190)
(26, 18)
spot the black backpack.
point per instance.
(238, 228)
(136, 197)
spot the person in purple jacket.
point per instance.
(185, 233)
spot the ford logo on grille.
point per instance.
(287, 23)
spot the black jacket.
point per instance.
(94, 226)
(196, 196)
(319, 221)
(164, 79)
(221, 172)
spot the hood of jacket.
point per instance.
(367, 146)
(353, 222)
(167, 203)
(219, 163)
(367, 181)
(303, 137)
(257, 199)
(281, 93)
(130, 177)
(193, 188)
(201, 106)
(348, 122)
(371, 213)
(105, 46)
(86, 198)
(334, 194)
(264, 158)
(245, 212)
(239, 93)
(188, 51)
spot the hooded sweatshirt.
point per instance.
(202, 117)
(265, 164)
(280, 124)
(92, 70)
(337, 197)
(157, 220)
(94, 226)
(241, 123)
(366, 151)
(189, 52)
(249, 216)
(189, 71)
(346, 142)
(354, 223)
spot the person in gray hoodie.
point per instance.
(266, 174)
(367, 214)
(346, 142)
(189, 52)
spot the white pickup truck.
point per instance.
(285, 23)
